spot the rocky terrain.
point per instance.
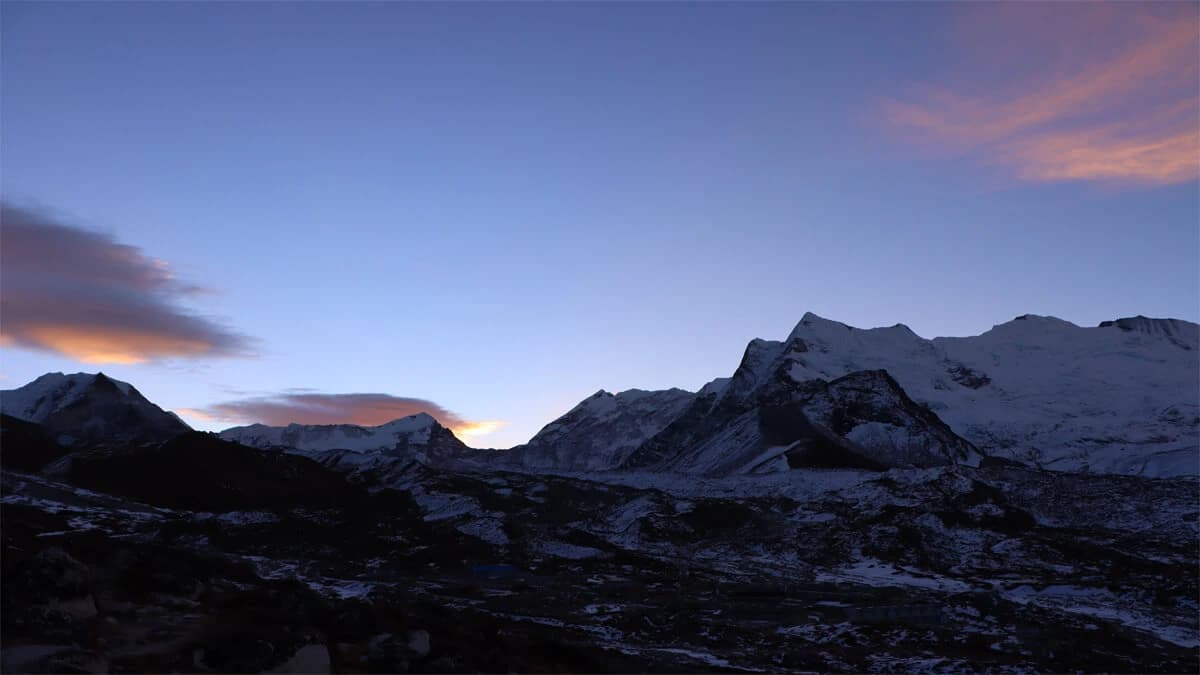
(204, 555)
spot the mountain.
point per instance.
(416, 437)
(1121, 397)
(87, 408)
(1118, 398)
(764, 421)
(601, 431)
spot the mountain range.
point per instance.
(1121, 398)
(847, 500)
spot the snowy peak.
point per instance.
(1117, 398)
(778, 422)
(822, 335)
(1120, 398)
(416, 434)
(412, 423)
(812, 324)
(601, 431)
(1183, 334)
(90, 408)
(822, 329)
(1030, 327)
(51, 392)
(599, 403)
(1043, 320)
(757, 362)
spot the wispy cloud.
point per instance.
(308, 407)
(86, 296)
(1124, 106)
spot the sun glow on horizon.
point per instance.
(473, 429)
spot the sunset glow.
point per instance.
(102, 345)
(474, 429)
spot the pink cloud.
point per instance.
(1124, 108)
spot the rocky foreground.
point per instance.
(200, 555)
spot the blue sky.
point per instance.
(504, 207)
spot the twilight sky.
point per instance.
(323, 212)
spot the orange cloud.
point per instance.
(85, 296)
(98, 344)
(1089, 119)
(317, 408)
(472, 429)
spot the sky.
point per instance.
(347, 212)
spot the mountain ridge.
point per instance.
(989, 388)
(1119, 397)
(419, 437)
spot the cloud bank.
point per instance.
(306, 407)
(84, 295)
(1073, 92)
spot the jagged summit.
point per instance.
(810, 322)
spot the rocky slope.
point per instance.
(766, 421)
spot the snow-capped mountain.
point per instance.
(418, 437)
(1122, 397)
(765, 421)
(602, 430)
(86, 407)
